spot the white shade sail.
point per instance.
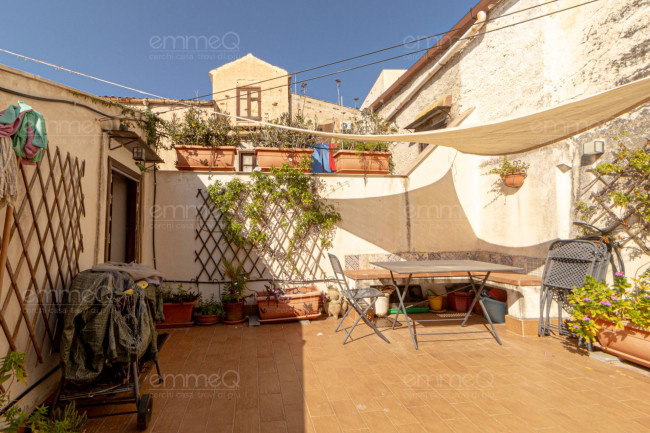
(519, 134)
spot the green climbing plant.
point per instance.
(286, 196)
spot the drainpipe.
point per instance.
(464, 40)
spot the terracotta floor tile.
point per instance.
(273, 427)
(348, 415)
(271, 407)
(326, 424)
(301, 379)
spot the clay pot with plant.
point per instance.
(512, 173)
(366, 157)
(209, 312)
(275, 147)
(233, 297)
(204, 141)
(178, 305)
(617, 316)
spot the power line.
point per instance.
(52, 65)
(398, 56)
(381, 50)
(26, 58)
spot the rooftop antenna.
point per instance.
(355, 102)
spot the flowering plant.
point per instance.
(617, 303)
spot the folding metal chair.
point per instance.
(361, 300)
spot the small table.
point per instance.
(444, 266)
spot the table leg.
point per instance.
(402, 307)
(477, 298)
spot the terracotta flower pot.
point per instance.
(268, 157)
(177, 315)
(514, 180)
(234, 311)
(202, 158)
(296, 304)
(207, 319)
(353, 162)
(629, 343)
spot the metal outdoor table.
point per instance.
(444, 266)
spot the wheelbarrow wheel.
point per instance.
(144, 411)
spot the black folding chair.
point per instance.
(361, 300)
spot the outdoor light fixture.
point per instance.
(597, 147)
(138, 153)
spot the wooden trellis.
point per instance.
(628, 226)
(44, 243)
(303, 265)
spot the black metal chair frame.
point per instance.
(357, 300)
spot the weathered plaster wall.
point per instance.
(249, 71)
(523, 69)
(76, 130)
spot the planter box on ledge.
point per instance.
(296, 304)
(353, 162)
(268, 157)
(202, 158)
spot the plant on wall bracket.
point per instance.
(284, 200)
(620, 193)
(512, 173)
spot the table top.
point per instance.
(424, 266)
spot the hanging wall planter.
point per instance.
(514, 180)
(512, 173)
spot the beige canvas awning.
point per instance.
(522, 133)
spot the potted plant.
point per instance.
(209, 312)
(368, 157)
(275, 147)
(299, 303)
(617, 316)
(178, 306)
(204, 141)
(513, 173)
(233, 298)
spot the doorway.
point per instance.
(122, 231)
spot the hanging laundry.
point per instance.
(27, 130)
(8, 180)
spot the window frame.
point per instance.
(249, 102)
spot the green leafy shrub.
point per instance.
(509, 167)
(210, 307)
(178, 295)
(199, 128)
(617, 303)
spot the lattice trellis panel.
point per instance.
(44, 244)
(303, 265)
(602, 212)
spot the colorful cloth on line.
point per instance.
(26, 128)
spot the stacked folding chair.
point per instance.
(567, 264)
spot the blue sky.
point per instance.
(150, 44)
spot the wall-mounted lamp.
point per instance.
(597, 147)
(138, 153)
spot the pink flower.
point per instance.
(586, 319)
(586, 299)
(605, 303)
(619, 274)
(576, 326)
(614, 298)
